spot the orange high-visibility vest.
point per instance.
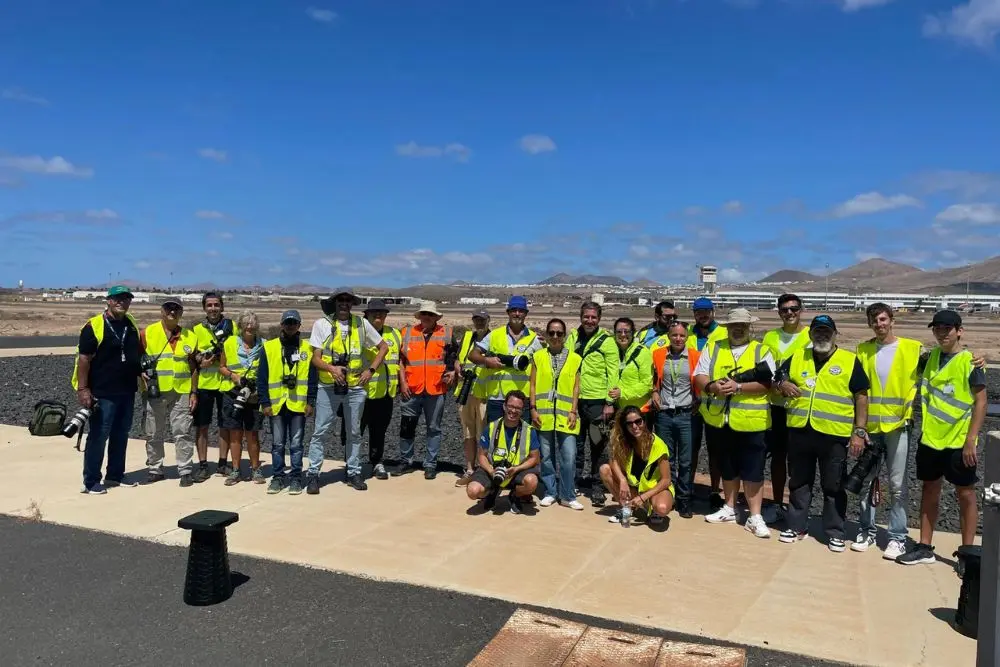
(424, 359)
(660, 355)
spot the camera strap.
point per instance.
(514, 441)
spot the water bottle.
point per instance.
(626, 516)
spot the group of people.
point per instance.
(558, 415)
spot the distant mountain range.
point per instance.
(590, 279)
(885, 275)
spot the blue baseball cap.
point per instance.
(291, 316)
(822, 321)
(517, 302)
(703, 303)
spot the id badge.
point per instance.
(811, 383)
(296, 357)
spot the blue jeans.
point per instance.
(432, 408)
(327, 404)
(109, 425)
(561, 487)
(287, 430)
(896, 444)
(675, 431)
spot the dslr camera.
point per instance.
(340, 361)
(245, 392)
(148, 366)
(468, 380)
(867, 462)
(289, 380)
(76, 422)
(518, 361)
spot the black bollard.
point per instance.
(967, 614)
(207, 580)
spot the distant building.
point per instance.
(478, 300)
(709, 278)
(597, 298)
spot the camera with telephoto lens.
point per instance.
(148, 366)
(340, 361)
(518, 361)
(866, 464)
(468, 379)
(500, 469)
(76, 422)
(246, 389)
(289, 380)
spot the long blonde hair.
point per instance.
(623, 442)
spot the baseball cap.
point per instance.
(119, 290)
(517, 302)
(291, 315)
(822, 321)
(376, 304)
(948, 318)
(741, 316)
(173, 301)
(482, 312)
(702, 303)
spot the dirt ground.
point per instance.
(982, 333)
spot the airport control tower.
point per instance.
(709, 277)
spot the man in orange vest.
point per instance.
(424, 380)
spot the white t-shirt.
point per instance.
(884, 354)
(322, 329)
(705, 360)
(786, 339)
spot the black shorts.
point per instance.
(740, 455)
(250, 420)
(933, 464)
(208, 400)
(777, 435)
(480, 477)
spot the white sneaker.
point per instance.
(862, 542)
(895, 549)
(547, 501)
(573, 504)
(755, 524)
(725, 514)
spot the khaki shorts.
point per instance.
(473, 416)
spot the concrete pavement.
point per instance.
(700, 579)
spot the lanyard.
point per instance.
(120, 339)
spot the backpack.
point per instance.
(48, 418)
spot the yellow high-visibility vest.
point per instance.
(946, 401)
(748, 414)
(891, 406)
(554, 400)
(826, 402)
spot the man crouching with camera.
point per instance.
(509, 457)
(286, 386)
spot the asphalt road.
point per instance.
(72, 596)
(22, 342)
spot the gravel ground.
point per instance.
(26, 380)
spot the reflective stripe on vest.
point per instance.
(512, 455)
(554, 401)
(423, 359)
(334, 346)
(745, 413)
(97, 324)
(158, 346)
(277, 392)
(772, 341)
(210, 377)
(946, 400)
(826, 403)
(889, 407)
(502, 381)
(233, 363)
(386, 380)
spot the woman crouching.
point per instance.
(638, 475)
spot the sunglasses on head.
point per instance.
(555, 334)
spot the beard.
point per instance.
(826, 347)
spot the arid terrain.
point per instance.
(63, 319)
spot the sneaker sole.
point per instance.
(861, 549)
(886, 556)
(763, 537)
(789, 540)
(834, 549)
(726, 520)
(922, 561)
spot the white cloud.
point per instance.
(857, 5)
(456, 150)
(225, 236)
(332, 261)
(533, 144)
(55, 166)
(216, 154)
(949, 254)
(275, 269)
(321, 15)
(974, 214)
(19, 95)
(732, 276)
(976, 22)
(472, 259)
(637, 250)
(101, 214)
(692, 211)
(210, 215)
(142, 264)
(967, 184)
(864, 256)
(733, 206)
(873, 202)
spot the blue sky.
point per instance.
(377, 142)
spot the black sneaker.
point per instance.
(201, 473)
(597, 497)
(312, 486)
(294, 485)
(402, 468)
(684, 510)
(222, 468)
(380, 472)
(490, 500)
(430, 473)
(154, 477)
(357, 482)
(187, 480)
(515, 503)
(919, 553)
(835, 544)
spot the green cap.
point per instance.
(119, 290)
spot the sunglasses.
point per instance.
(555, 334)
(632, 423)
(791, 309)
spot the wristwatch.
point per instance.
(860, 432)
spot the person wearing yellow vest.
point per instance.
(952, 409)
(555, 392)
(634, 384)
(240, 364)
(598, 374)
(472, 415)
(339, 340)
(212, 333)
(826, 413)
(703, 331)
(425, 375)
(513, 339)
(382, 388)
(286, 388)
(656, 331)
(733, 377)
(638, 475)
(171, 348)
(783, 342)
(508, 458)
(106, 378)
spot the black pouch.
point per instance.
(48, 419)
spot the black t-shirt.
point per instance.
(109, 374)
